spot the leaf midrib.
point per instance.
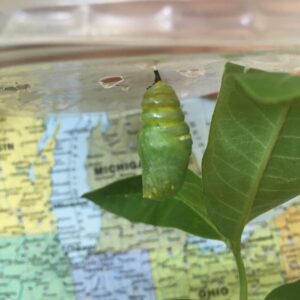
(265, 160)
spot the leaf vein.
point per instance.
(273, 125)
(229, 206)
(286, 157)
(232, 146)
(290, 137)
(242, 126)
(224, 217)
(277, 190)
(282, 178)
(230, 165)
(228, 184)
(266, 158)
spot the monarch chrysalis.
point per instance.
(164, 142)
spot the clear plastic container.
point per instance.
(80, 42)
(72, 76)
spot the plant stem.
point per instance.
(236, 249)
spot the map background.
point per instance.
(56, 245)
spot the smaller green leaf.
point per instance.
(266, 89)
(185, 211)
(290, 291)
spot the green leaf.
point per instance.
(265, 87)
(252, 161)
(290, 291)
(185, 211)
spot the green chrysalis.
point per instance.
(164, 142)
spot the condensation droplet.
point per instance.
(125, 88)
(246, 20)
(61, 105)
(154, 67)
(148, 65)
(191, 73)
(109, 82)
(142, 66)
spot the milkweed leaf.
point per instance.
(252, 161)
(290, 291)
(185, 211)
